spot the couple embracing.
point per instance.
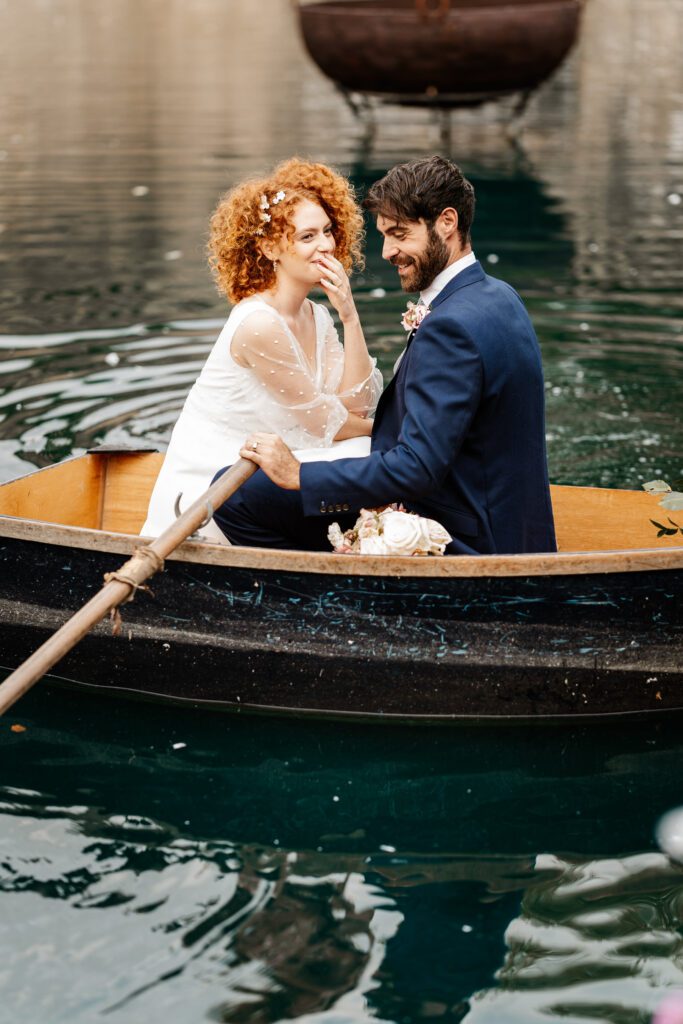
(457, 435)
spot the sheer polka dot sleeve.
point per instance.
(293, 402)
(362, 397)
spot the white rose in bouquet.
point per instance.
(392, 531)
(405, 534)
(438, 536)
(373, 545)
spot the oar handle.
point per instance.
(136, 570)
(195, 515)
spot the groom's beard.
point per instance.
(425, 267)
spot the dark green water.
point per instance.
(267, 870)
(270, 870)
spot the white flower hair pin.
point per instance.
(414, 315)
(265, 204)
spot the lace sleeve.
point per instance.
(363, 397)
(306, 414)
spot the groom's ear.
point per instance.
(448, 223)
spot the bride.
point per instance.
(278, 365)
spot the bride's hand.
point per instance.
(336, 284)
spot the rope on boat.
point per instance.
(128, 574)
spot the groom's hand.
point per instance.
(272, 455)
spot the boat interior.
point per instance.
(109, 491)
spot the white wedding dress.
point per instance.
(280, 392)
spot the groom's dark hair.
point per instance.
(422, 189)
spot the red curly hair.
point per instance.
(237, 227)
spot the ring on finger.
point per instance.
(254, 446)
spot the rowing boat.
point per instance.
(596, 629)
(437, 53)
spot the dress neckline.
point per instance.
(315, 367)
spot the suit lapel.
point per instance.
(466, 277)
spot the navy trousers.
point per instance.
(262, 515)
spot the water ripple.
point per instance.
(614, 368)
(274, 931)
(283, 934)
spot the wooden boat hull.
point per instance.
(471, 51)
(424, 640)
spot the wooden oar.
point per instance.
(147, 560)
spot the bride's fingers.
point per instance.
(336, 284)
(332, 261)
(336, 289)
(334, 268)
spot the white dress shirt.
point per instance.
(442, 279)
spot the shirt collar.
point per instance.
(442, 279)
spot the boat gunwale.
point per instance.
(565, 563)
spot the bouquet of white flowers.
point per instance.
(391, 531)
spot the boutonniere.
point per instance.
(414, 315)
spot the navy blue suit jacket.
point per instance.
(459, 431)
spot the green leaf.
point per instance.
(664, 530)
(656, 487)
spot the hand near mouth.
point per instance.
(335, 283)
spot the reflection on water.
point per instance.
(122, 125)
(156, 867)
(592, 937)
(176, 925)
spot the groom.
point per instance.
(459, 431)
